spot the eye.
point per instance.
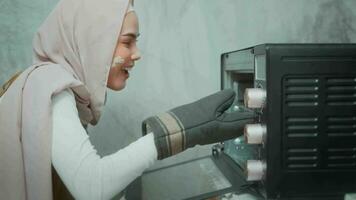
(128, 41)
(127, 44)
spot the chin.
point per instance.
(117, 87)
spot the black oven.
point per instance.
(303, 146)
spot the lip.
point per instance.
(126, 70)
(126, 74)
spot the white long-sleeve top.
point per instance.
(83, 171)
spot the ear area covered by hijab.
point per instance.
(81, 36)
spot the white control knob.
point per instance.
(254, 97)
(255, 133)
(255, 170)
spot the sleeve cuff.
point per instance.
(168, 133)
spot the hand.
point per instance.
(202, 122)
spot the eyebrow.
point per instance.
(132, 35)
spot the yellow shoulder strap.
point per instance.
(8, 83)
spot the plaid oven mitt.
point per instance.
(202, 122)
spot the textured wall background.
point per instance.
(181, 43)
(19, 19)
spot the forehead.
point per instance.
(130, 24)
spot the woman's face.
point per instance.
(126, 53)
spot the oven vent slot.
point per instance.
(341, 158)
(303, 158)
(339, 127)
(301, 92)
(302, 127)
(341, 91)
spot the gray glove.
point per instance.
(202, 122)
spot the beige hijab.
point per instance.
(73, 49)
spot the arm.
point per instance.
(86, 175)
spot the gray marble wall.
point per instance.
(19, 19)
(181, 42)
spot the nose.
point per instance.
(136, 55)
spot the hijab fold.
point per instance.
(72, 49)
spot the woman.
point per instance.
(83, 48)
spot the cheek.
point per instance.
(114, 72)
(122, 51)
(116, 80)
(112, 75)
